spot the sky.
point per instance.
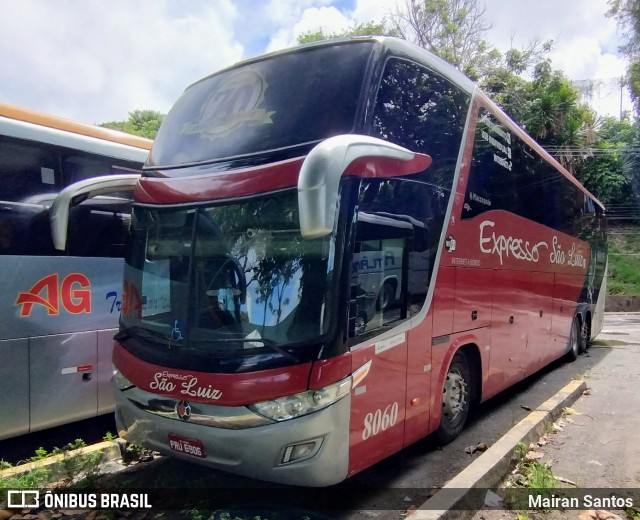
(96, 60)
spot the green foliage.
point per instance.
(34, 479)
(72, 466)
(610, 171)
(624, 261)
(78, 464)
(135, 453)
(520, 452)
(627, 13)
(144, 123)
(357, 29)
(452, 29)
(197, 514)
(277, 514)
(41, 453)
(531, 475)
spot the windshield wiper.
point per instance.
(141, 332)
(270, 344)
(158, 337)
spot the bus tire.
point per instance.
(456, 398)
(574, 340)
(585, 335)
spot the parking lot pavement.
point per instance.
(595, 449)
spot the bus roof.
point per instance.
(59, 123)
(396, 46)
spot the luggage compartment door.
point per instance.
(14, 398)
(63, 378)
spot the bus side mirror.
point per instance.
(79, 192)
(348, 154)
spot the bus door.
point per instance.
(378, 303)
(70, 365)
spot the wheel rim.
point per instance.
(454, 398)
(584, 330)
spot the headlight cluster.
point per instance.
(304, 403)
(121, 382)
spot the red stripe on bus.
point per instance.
(220, 389)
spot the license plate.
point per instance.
(191, 447)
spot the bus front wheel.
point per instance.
(455, 398)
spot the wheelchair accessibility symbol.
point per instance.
(177, 332)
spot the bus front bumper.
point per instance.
(261, 452)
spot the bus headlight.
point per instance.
(121, 382)
(304, 403)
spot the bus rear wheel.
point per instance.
(455, 399)
(574, 340)
(585, 338)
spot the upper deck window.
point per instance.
(280, 101)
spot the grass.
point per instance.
(535, 476)
(624, 260)
(70, 467)
(632, 514)
(540, 476)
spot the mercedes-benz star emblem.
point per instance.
(183, 410)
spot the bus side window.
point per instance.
(29, 171)
(378, 277)
(393, 254)
(78, 166)
(99, 227)
(25, 230)
(424, 112)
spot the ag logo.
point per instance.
(74, 292)
(234, 103)
(183, 410)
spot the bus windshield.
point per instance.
(265, 105)
(227, 279)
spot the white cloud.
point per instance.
(586, 41)
(97, 63)
(366, 11)
(582, 32)
(312, 19)
(583, 58)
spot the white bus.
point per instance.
(65, 191)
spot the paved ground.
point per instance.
(598, 448)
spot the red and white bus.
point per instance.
(337, 250)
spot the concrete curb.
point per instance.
(462, 496)
(110, 450)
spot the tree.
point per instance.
(452, 29)
(627, 13)
(610, 172)
(504, 82)
(144, 123)
(357, 29)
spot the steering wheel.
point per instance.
(237, 269)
